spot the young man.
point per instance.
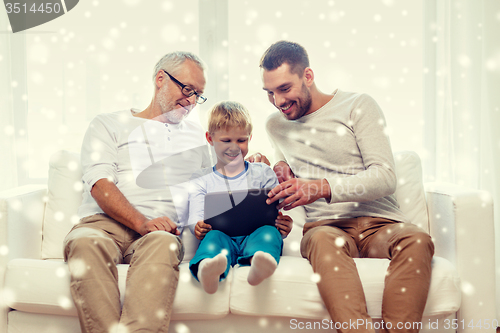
(229, 132)
(336, 160)
(131, 163)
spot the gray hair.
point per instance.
(171, 62)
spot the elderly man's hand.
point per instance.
(258, 157)
(298, 192)
(160, 223)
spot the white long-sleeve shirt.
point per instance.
(344, 142)
(149, 161)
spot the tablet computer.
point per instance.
(241, 212)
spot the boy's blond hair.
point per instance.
(229, 114)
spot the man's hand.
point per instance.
(258, 157)
(284, 224)
(283, 171)
(159, 223)
(201, 229)
(299, 192)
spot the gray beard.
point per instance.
(175, 116)
(172, 114)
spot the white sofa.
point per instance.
(34, 281)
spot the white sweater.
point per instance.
(344, 142)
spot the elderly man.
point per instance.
(336, 160)
(133, 163)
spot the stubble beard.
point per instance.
(303, 104)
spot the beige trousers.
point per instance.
(92, 250)
(330, 246)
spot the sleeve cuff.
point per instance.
(91, 177)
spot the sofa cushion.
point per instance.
(291, 244)
(292, 292)
(42, 286)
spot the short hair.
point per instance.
(171, 62)
(284, 51)
(228, 114)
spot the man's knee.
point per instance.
(328, 235)
(89, 257)
(164, 242)
(88, 242)
(328, 240)
(416, 240)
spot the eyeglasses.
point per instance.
(187, 91)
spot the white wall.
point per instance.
(373, 47)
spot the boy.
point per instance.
(229, 131)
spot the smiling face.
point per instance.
(230, 145)
(289, 92)
(174, 106)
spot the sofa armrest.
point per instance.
(21, 219)
(462, 227)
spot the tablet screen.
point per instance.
(239, 213)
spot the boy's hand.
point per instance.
(283, 172)
(258, 157)
(284, 224)
(201, 229)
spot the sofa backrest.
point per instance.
(65, 196)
